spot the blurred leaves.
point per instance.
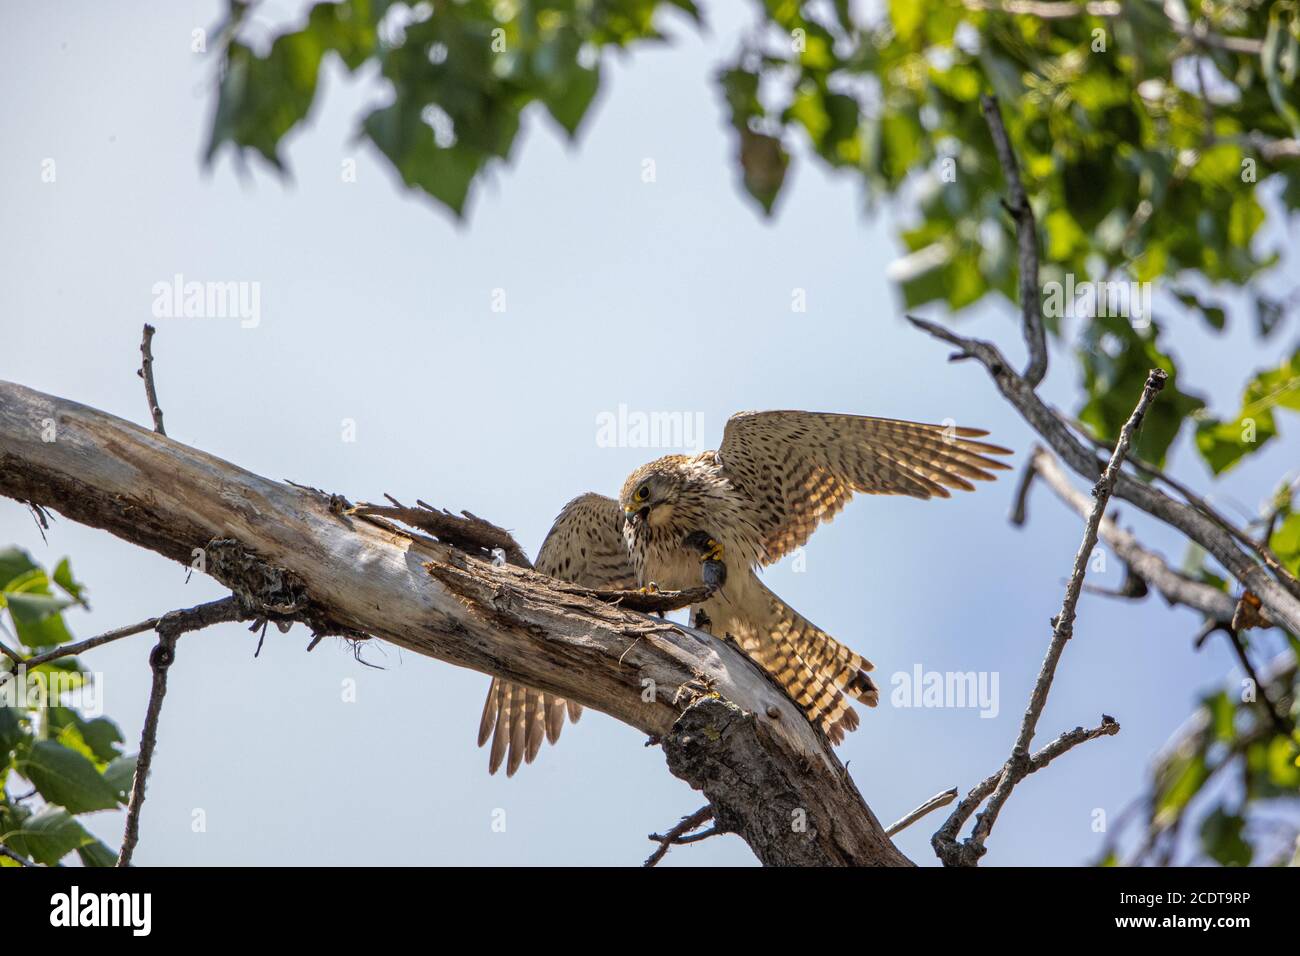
(1223, 443)
(67, 762)
(1115, 358)
(460, 74)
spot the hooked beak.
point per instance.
(633, 515)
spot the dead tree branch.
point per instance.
(286, 554)
(1174, 586)
(1016, 768)
(146, 372)
(1017, 204)
(934, 803)
(1282, 606)
(169, 627)
(678, 834)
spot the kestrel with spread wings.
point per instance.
(776, 477)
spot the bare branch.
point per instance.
(1275, 714)
(146, 372)
(944, 841)
(1017, 766)
(1282, 605)
(1259, 547)
(1027, 239)
(934, 803)
(677, 834)
(170, 627)
(77, 647)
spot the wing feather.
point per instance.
(801, 468)
(584, 546)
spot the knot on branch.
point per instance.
(268, 592)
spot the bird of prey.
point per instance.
(776, 477)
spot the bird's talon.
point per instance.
(714, 551)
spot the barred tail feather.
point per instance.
(816, 670)
(517, 719)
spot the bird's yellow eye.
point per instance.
(642, 493)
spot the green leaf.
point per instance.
(1224, 443)
(763, 161)
(67, 778)
(63, 578)
(1180, 782)
(1116, 360)
(1285, 542)
(96, 853)
(47, 836)
(260, 99)
(11, 732)
(100, 735)
(1221, 838)
(569, 99)
(444, 172)
(14, 563)
(38, 618)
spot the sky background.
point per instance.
(668, 296)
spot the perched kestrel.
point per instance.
(777, 476)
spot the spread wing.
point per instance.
(584, 546)
(801, 468)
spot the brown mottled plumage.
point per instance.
(585, 546)
(777, 476)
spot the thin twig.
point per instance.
(1064, 622)
(934, 803)
(1017, 766)
(1280, 723)
(71, 650)
(146, 372)
(1027, 240)
(677, 835)
(170, 627)
(21, 861)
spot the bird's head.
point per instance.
(650, 491)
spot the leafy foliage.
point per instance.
(1142, 148)
(1230, 738)
(1224, 443)
(55, 763)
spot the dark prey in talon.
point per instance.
(776, 477)
(713, 571)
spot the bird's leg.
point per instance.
(712, 570)
(650, 588)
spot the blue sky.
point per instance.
(376, 307)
